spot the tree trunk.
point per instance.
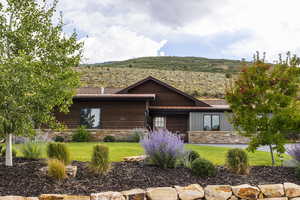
(272, 155)
(8, 154)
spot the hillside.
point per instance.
(196, 64)
(200, 77)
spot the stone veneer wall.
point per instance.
(216, 137)
(97, 134)
(284, 191)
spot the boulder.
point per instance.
(272, 190)
(134, 194)
(70, 170)
(217, 192)
(291, 190)
(12, 198)
(107, 196)
(276, 198)
(134, 158)
(190, 192)
(245, 191)
(233, 198)
(62, 197)
(161, 193)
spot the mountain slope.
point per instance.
(196, 64)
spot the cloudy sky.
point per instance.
(234, 29)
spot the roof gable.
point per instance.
(163, 84)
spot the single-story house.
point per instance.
(150, 104)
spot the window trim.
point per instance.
(80, 120)
(165, 122)
(211, 121)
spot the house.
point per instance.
(150, 104)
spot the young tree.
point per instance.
(264, 103)
(36, 61)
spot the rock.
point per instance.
(272, 190)
(190, 192)
(32, 198)
(70, 170)
(134, 194)
(107, 196)
(217, 192)
(62, 197)
(291, 190)
(245, 191)
(161, 193)
(12, 198)
(276, 198)
(134, 158)
(233, 198)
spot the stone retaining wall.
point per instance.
(97, 134)
(216, 137)
(284, 191)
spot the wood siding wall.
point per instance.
(177, 124)
(114, 114)
(164, 96)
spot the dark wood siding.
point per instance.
(164, 96)
(114, 114)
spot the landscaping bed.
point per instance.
(26, 179)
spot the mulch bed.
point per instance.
(25, 178)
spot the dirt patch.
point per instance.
(25, 178)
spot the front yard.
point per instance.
(119, 150)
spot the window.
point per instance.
(211, 122)
(159, 122)
(90, 117)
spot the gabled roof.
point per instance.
(150, 78)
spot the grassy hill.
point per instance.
(200, 77)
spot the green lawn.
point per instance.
(118, 150)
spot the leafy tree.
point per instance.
(36, 60)
(264, 103)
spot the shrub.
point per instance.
(59, 138)
(188, 158)
(163, 148)
(3, 152)
(294, 151)
(203, 168)
(100, 159)
(59, 151)
(109, 138)
(297, 172)
(81, 135)
(56, 169)
(137, 135)
(237, 161)
(31, 150)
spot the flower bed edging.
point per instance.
(191, 192)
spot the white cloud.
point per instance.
(119, 29)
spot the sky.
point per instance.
(234, 29)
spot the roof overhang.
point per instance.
(115, 96)
(190, 108)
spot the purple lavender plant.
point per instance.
(163, 148)
(294, 152)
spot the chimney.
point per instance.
(102, 90)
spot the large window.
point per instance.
(90, 117)
(211, 122)
(159, 122)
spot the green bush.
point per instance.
(203, 168)
(297, 172)
(56, 169)
(237, 161)
(109, 138)
(59, 138)
(59, 151)
(193, 155)
(100, 159)
(31, 150)
(81, 135)
(137, 135)
(3, 152)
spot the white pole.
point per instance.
(8, 154)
